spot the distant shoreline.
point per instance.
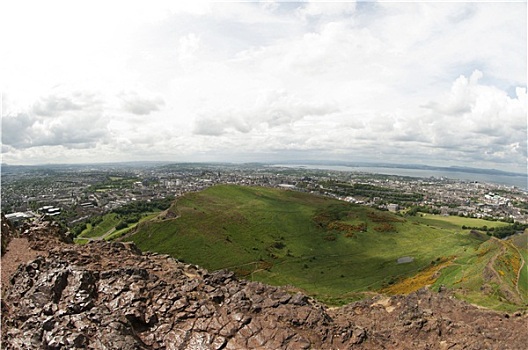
(462, 174)
(495, 176)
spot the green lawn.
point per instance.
(119, 233)
(455, 222)
(523, 280)
(109, 222)
(470, 276)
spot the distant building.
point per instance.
(87, 205)
(19, 216)
(286, 186)
(393, 207)
(49, 210)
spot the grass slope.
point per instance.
(490, 277)
(332, 250)
(108, 223)
(106, 229)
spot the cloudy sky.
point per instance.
(438, 83)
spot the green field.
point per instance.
(108, 223)
(118, 233)
(108, 227)
(455, 222)
(332, 250)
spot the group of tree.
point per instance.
(500, 232)
(139, 207)
(422, 209)
(385, 194)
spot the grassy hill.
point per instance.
(333, 250)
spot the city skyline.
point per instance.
(395, 82)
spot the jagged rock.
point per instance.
(7, 232)
(112, 296)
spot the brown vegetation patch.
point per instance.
(385, 227)
(264, 265)
(323, 220)
(330, 237)
(347, 229)
(380, 217)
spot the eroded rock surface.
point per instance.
(7, 233)
(112, 296)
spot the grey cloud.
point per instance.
(209, 127)
(15, 129)
(54, 105)
(409, 136)
(276, 117)
(70, 134)
(488, 130)
(354, 124)
(135, 104)
(24, 131)
(272, 110)
(382, 124)
(453, 108)
(53, 122)
(220, 124)
(285, 113)
(6, 148)
(462, 13)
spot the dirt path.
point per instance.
(519, 272)
(18, 252)
(491, 264)
(108, 233)
(100, 238)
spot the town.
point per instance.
(74, 194)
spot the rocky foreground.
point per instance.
(112, 296)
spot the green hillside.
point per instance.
(494, 276)
(333, 250)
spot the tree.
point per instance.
(121, 225)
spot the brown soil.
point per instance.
(18, 252)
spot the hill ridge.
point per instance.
(332, 250)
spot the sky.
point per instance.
(436, 83)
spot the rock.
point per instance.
(112, 296)
(8, 231)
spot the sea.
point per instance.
(519, 181)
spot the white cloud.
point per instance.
(327, 9)
(188, 47)
(430, 82)
(481, 121)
